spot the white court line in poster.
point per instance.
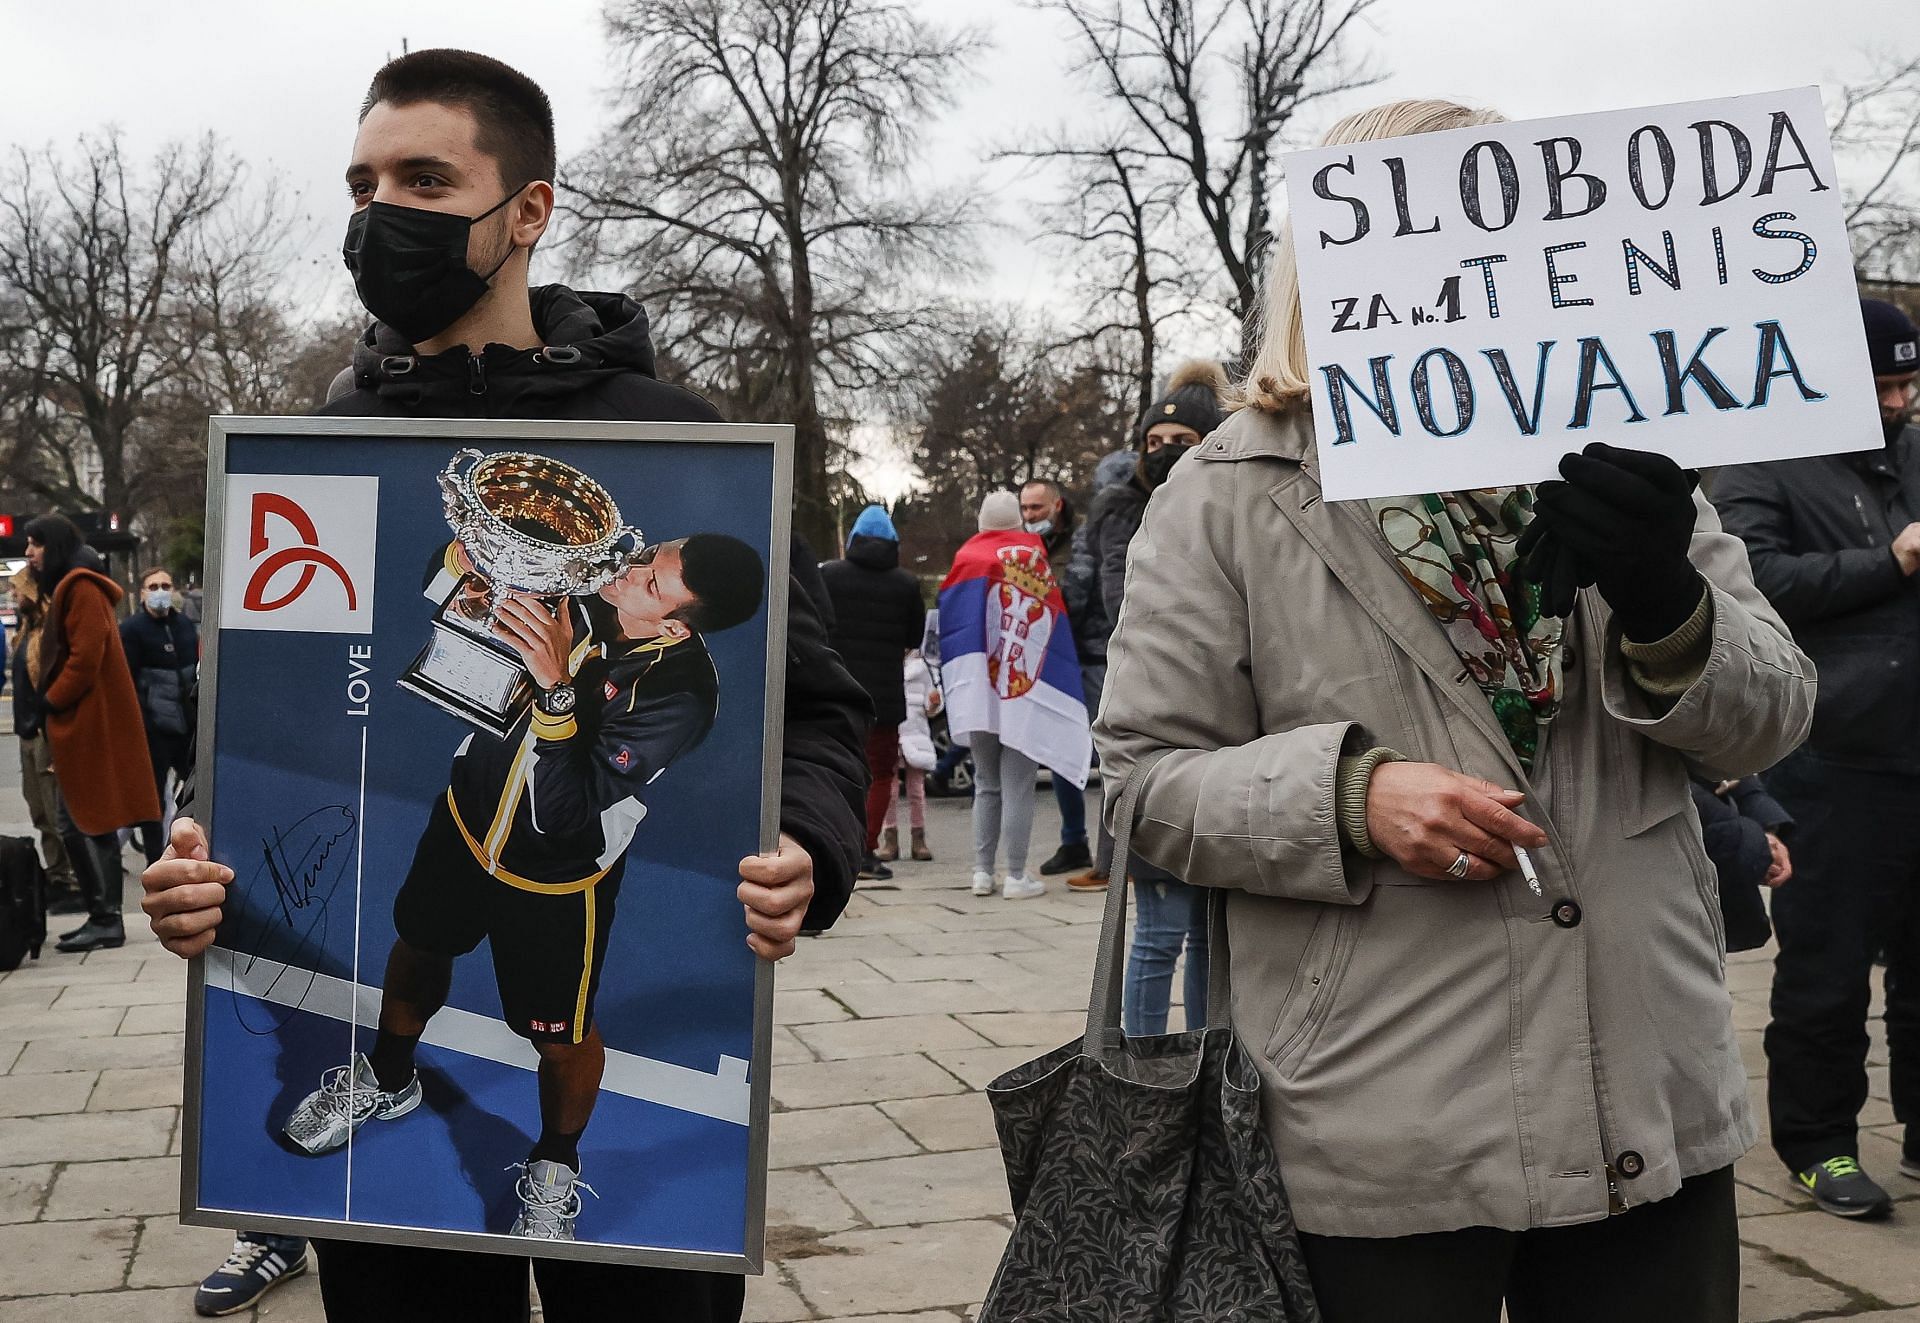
(722, 1095)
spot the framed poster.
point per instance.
(490, 714)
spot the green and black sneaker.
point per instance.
(1841, 1188)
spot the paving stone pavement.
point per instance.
(886, 1198)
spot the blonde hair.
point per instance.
(1277, 379)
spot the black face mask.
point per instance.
(410, 268)
(1159, 464)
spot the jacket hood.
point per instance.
(64, 588)
(586, 338)
(25, 589)
(875, 522)
(873, 553)
(1114, 469)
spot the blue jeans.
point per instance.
(1168, 915)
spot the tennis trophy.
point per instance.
(529, 525)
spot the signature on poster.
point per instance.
(301, 865)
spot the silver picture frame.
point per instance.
(777, 440)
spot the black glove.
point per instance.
(1621, 521)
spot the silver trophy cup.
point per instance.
(529, 524)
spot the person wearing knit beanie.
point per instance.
(1191, 403)
(1179, 420)
(1893, 349)
(1834, 541)
(1000, 512)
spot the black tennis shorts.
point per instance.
(548, 948)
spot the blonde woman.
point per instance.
(1479, 1092)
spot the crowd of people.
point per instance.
(880, 629)
(1488, 781)
(91, 687)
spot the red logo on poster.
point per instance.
(307, 555)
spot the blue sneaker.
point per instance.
(257, 1264)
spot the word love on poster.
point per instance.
(1480, 301)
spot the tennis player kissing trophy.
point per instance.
(522, 523)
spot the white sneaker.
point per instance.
(1023, 888)
(982, 884)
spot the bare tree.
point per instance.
(1114, 217)
(755, 191)
(99, 262)
(1877, 126)
(998, 406)
(1208, 87)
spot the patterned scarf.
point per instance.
(1457, 551)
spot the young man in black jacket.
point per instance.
(450, 185)
(1835, 543)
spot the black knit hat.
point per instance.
(1192, 399)
(1893, 342)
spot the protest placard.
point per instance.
(1480, 301)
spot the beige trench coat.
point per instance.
(1438, 1055)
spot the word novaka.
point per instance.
(1441, 373)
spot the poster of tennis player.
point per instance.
(485, 733)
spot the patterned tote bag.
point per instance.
(1144, 1187)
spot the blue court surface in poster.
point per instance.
(323, 778)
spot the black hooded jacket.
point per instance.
(878, 615)
(598, 364)
(1820, 535)
(1117, 514)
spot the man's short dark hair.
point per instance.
(726, 579)
(514, 115)
(1048, 483)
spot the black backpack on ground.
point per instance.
(23, 902)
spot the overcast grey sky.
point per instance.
(281, 81)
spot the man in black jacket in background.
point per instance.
(163, 651)
(878, 615)
(450, 182)
(1835, 543)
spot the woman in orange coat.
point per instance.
(93, 723)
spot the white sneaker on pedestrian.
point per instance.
(1023, 887)
(982, 884)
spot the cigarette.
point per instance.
(1526, 869)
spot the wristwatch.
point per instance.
(557, 701)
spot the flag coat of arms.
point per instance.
(1007, 659)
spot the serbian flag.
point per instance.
(1007, 662)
